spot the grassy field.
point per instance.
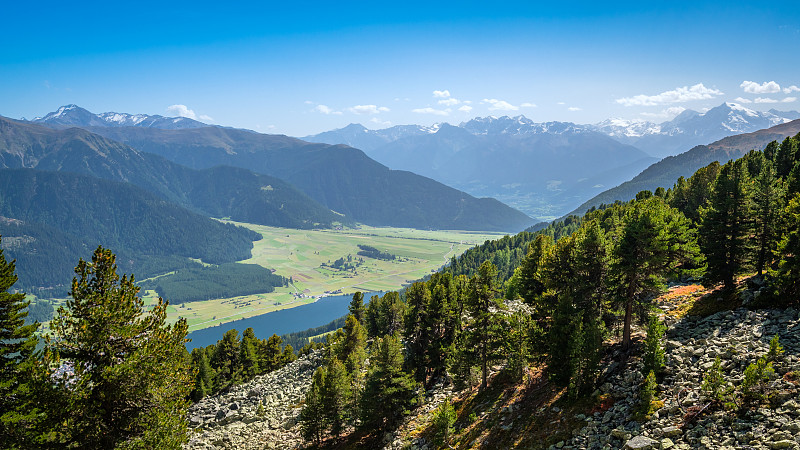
(305, 256)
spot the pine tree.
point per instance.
(248, 356)
(312, 416)
(788, 273)
(351, 349)
(417, 331)
(388, 391)
(203, 382)
(485, 332)
(270, 355)
(356, 307)
(655, 241)
(531, 284)
(766, 205)
(129, 378)
(726, 225)
(18, 410)
(226, 360)
(336, 396)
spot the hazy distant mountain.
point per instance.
(691, 128)
(543, 169)
(219, 192)
(341, 178)
(75, 116)
(357, 136)
(665, 172)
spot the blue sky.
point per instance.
(305, 68)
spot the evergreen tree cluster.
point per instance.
(235, 361)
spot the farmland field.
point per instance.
(307, 257)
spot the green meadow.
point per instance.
(307, 258)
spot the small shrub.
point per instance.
(260, 411)
(713, 381)
(472, 417)
(653, 350)
(647, 392)
(775, 349)
(443, 420)
(755, 375)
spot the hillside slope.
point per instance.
(50, 219)
(341, 178)
(219, 192)
(665, 172)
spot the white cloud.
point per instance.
(308, 102)
(377, 121)
(206, 118)
(790, 89)
(181, 111)
(441, 94)
(449, 102)
(767, 87)
(789, 100)
(765, 100)
(560, 103)
(527, 105)
(574, 108)
(429, 110)
(499, 105)
(742, 100)
(678, 95)
(465, 108)
(326, 110)
(367, 109)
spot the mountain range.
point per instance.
(339, 177)
(687, 129)
(545, 168)
(75, 116)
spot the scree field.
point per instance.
(309, 257)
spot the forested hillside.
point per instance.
(665, 172)
(218, 192)
(341, 178)
(50, 218)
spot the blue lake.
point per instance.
(299, 318)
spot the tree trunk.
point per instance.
(626, 330)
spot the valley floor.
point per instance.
(307, 258)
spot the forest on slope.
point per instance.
(52, 218)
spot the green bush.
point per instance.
(443, 420)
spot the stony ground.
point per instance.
(231, 420)
(738, 338)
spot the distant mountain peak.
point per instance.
(74, 115)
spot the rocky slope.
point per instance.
(738, 338)
(232, 419)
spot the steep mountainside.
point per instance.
(342, 178)
(665, 172)
(65, 215)
(219, 192)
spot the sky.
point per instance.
(307, 67)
